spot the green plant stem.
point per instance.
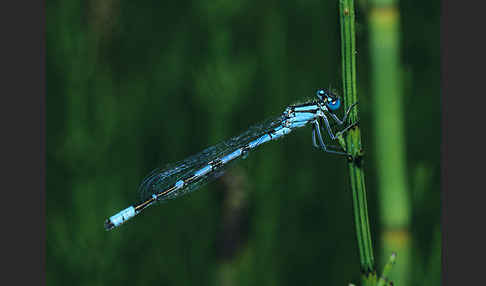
(389, 135)
(386, 269)
(352, 141)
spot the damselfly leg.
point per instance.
(317, 133)
(341, 122)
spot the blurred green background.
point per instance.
(132, 86)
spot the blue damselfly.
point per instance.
(190, 174)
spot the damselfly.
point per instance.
(192, 173)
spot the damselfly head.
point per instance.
(331, 100)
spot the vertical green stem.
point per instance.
(389, 135)
(352, 141)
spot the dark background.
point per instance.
(134, 86)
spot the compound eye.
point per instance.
(321, 93)
(333, 103)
